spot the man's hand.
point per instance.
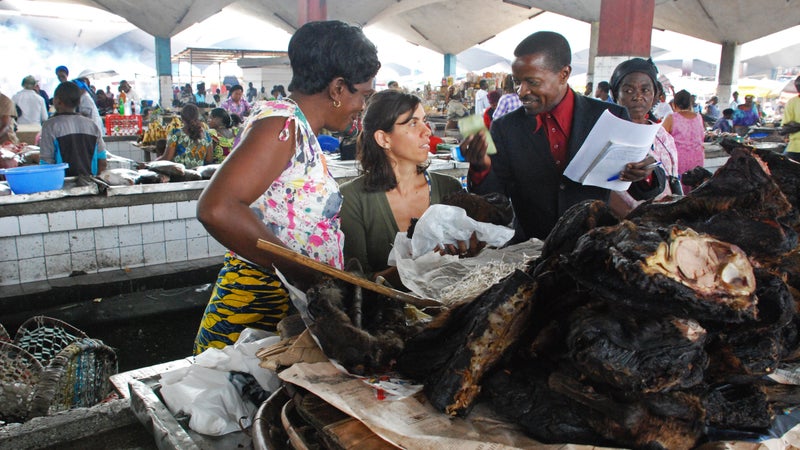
(474, 150)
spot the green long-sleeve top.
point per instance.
(368, 223)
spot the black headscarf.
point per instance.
(625, 68)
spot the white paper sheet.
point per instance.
(630, 142)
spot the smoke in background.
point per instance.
(26, 54)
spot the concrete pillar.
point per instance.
(625, 29)
(311, 10)
(449, 65)
(164, 71)
(594, 36)
(728, 72)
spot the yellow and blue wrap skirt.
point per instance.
(244, 296)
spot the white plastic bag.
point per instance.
(451, 279)
(204, 392)
(445, 224)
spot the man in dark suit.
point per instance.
(536, 143)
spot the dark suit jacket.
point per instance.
(525, 171)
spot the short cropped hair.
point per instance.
(323, 50)
(68, 93)
(683, 99)
(553, 45)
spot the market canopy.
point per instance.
(453, 26)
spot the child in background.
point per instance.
(725, 123)
(69, 137)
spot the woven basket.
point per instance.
(19, 374)
(78, 376)
(4, 337)
(52, 366)
(43, 337)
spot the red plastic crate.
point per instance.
(117, 125)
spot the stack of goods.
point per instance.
(667, 329)
(658, 331)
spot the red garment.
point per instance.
(558, 125)
(487, 117)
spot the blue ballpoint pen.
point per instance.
(649, 166)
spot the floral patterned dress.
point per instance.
(189, 152)
(301, 207)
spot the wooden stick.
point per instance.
(345, 276)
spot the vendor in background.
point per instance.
(633, 85)
(276, 185)
(395, 187)
(455, 108)
(481, 97)
(223, 134)
(791, 115)
(104, 104)
(236, 104)
(663, 108)
(187, 95)
(190, 145)
(509, 101)
(725, 123)
(688, 131)
(745, 115)
(32, 105)
(87, 106)
(493, 98)
(68, 137)
(8, 112)
(130, 94)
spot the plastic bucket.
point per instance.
(32, 179)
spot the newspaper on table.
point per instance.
(410, 423)
(612, 143)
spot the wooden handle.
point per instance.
(284, 252)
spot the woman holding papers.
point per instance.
(633, 85)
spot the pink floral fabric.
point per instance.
(302, 205)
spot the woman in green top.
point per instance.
(395, 187)
(223, 134)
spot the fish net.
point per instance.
(52, 366)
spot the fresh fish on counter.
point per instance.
(4, 189)
(188, 175)
(151, 177)
(170, 168)
(207, 171)
(119, 177)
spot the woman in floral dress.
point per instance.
(276, 185)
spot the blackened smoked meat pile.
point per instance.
(656, 331)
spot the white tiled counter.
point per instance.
(77, 230)
(72, 235)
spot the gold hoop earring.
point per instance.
(337, 103)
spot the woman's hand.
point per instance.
(464, 249)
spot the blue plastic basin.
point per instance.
(32, 179)
(328, 143)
